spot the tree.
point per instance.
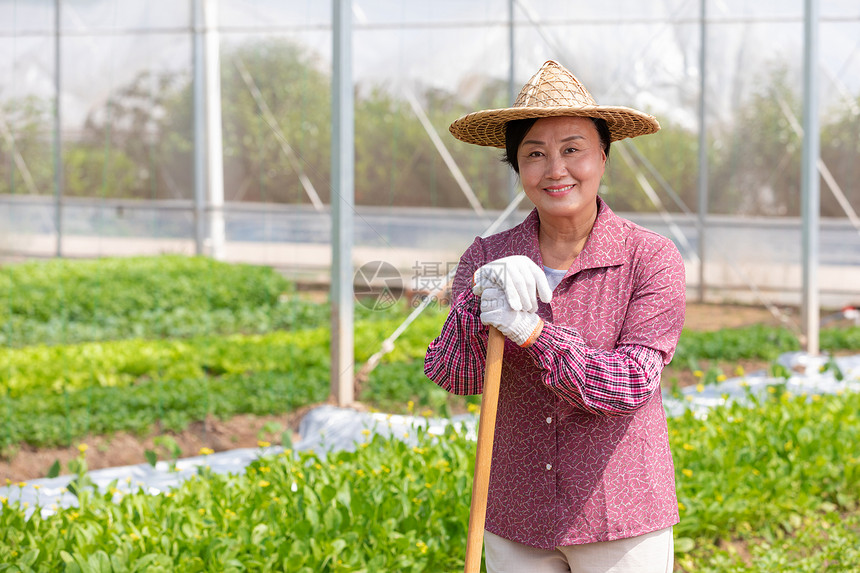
(287, 81)
(672, 153)
(397, 163)
(136, 145)
(840, 150)
(756, 169)
(26, 161)
(98, 172)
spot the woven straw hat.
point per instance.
(552, 91)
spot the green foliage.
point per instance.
(98, 170)
(397, 163)
(143, 134)
(750, 342)
(141, 385)
(169, 446)
(389, 506)
(840, 148)
(768, 473)
(47, 419)
(836, 339)
(77, 300)
(826, 541)
(81, 484)
(673, 153)
(757, 342)
(293, 88)
(756, 167)
(54, 394)
(391, 386)
(796, 454)
(124, 363)
(26, 163)
(780, 478)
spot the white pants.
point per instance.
(650, 553)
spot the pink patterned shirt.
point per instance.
(581, 450)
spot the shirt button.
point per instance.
(549, 420)
(549, 466)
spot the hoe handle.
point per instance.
(484, 456)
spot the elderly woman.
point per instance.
(592, 306)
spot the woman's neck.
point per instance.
(562, 240)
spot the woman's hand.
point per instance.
(518, 277)
(521, 326)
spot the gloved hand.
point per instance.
(518, 277)
(518, 325)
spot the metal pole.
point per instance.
(199, 103)
(512, 87)
(58, 130)
(703, 149)
(342, 199)
(810, 201)
(214, 148)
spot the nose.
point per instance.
(555, 167)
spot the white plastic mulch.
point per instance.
(329, 428)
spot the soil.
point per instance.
(26, 463)
(124, 449)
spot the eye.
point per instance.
(570, 150)
(534, 154)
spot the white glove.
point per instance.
(518, 325)
(519, 277)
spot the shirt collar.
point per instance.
(605, 244)
(604, 247)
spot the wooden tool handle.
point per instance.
(484, 456)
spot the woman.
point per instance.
(592, 306)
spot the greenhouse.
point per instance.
(229, 238)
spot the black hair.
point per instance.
(516, 130)
(604, 133)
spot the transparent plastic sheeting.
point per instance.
(328, 428)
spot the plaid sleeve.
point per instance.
(611, 383)
(455, 359)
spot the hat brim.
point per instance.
(487, 127)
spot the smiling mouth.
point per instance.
(554, 190)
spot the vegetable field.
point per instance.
(152, 345)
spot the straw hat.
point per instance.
(552, 91)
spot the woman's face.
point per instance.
(561, 162)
